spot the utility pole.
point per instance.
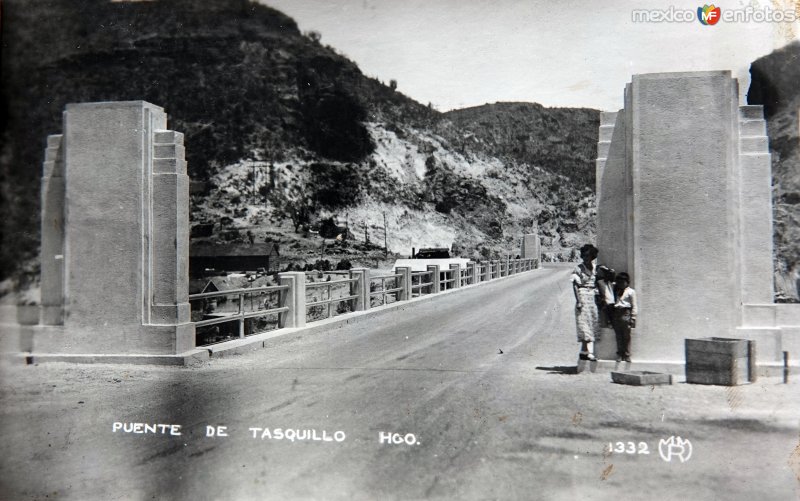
(253, 166)
(385, 246)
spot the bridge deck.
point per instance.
(514, 425)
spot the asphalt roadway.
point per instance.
(478, 386)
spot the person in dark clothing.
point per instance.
(623, 316)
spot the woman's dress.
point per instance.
(586, 318)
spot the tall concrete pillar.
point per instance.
(614, 189)
(684, 206)
(755, 190)
(124, 283)
(52, 248)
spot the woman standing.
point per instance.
(586, 317)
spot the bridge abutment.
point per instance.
(684, 206)
(115, 234)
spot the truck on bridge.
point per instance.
(431, 256)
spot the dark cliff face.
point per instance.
(228, 72)
(776, 85)
(776, 80)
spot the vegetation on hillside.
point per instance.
(249, 91)
(774, 84)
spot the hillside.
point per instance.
(284, 135)
(774, 84)
(563, 141)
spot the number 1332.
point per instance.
(627, 448)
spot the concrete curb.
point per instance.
(676, 368)
(184, 359)
(245, 345)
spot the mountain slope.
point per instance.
(285, 133)
(774, 85)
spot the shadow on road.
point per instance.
(559, 369)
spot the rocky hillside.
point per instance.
(286, 137)
(776, 85)
(560, 140)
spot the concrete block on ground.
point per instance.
(719, 361)
(641, 378)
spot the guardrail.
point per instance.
(292, 308)
(329, 287)
(383, 292)
(210, 304)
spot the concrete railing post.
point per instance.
(404, 281)
(456, 272)
(294, 298)
(508, 267)
(360, 288)
(472, 271)
(435, 278)
(486, 271)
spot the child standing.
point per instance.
(624, 316)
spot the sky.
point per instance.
(577, 53)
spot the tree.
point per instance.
(314, 36)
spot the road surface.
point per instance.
(474, 423)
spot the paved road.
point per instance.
(515, 425)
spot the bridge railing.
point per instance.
(299, 301)
(215, 309)
(432, 284)
(327, 300)
(383, 292)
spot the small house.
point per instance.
(232, 257)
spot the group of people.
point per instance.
(602, 298)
